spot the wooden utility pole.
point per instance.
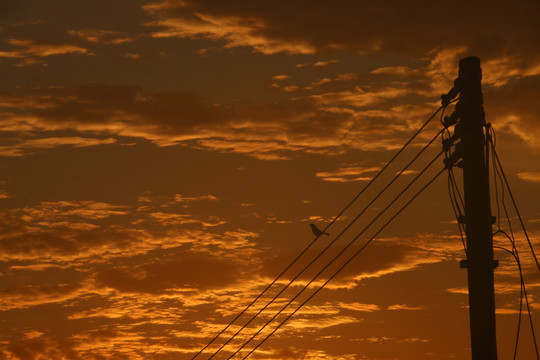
(478, 218)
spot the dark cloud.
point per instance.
(314, 123)
(378, 259)
(59, 238)
(187, 271)
(303, 26)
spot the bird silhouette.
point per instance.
(316, 230)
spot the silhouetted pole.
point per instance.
(478, 219)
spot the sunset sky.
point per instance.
(160, 162)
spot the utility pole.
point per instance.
(477, 219)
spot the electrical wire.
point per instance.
(340, 253)
(514, 203)
(493, 139)
(453, 190)
(347, 262)
(515, 254)
(496, 177)
(324, 230)
(457, 200)
(520, 301)
(329, 245)
(503, 197)
(498, 174)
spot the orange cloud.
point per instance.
(32, 145)
(24, 296)
(300, 324)
(72, 232)
(499, 71)
(396, 70)
(385, 339)
(3, 193)
(40, 48)
(529, 176)
(280, 77)
(131, 56)
(291, 88)
(102, 36)
(235, 31)
(337, 118)
(404, 307)
(361, 97)
(325, 63)
(63, 209)
(181, 219)
(43, 346)
(512, 108)
(359, 307)
(182, 198)
(348, 173)
(249, 128)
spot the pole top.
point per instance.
(469, 68)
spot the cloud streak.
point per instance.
(266, 29)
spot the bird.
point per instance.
(316, 230)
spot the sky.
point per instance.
(160, 161)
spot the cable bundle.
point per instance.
(499, 178)
(338, 257)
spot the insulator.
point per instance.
(447, 143)
(446, 98)
(454, 157)
(454, 117)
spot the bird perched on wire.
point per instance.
(316, 230)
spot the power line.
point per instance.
(496, 175)
(520, 300)
(340, 253)
(515, 204)
(348, 261)
(456, 200)
(493, 137)
(330, 244)
(515, 254)
(453, 190)
(317, 237)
